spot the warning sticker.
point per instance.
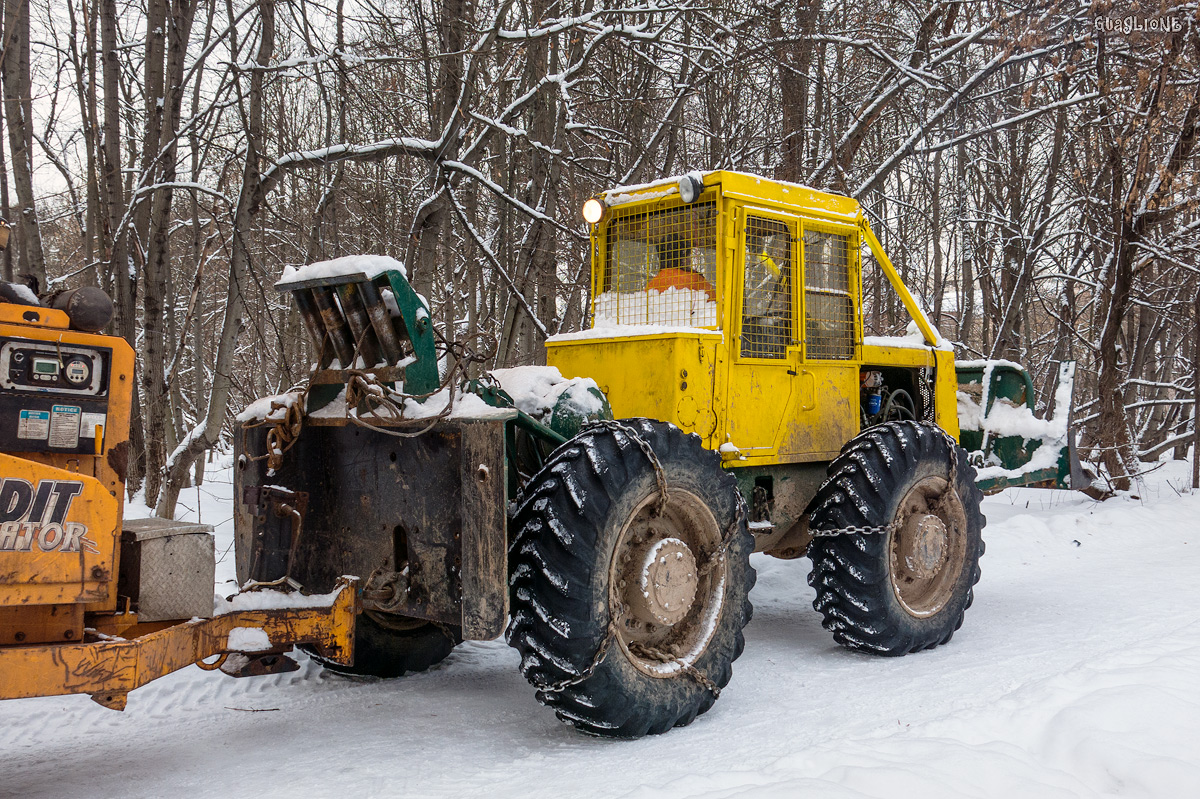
(88, 422)
(34, 424)
(64, 426)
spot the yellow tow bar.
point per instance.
(110, 668)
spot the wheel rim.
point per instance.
(928, 547)
(665, 588)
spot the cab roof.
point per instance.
(744, 187)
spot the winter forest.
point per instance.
(1031, 168)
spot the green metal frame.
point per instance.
(1014, 384)
(421, 377)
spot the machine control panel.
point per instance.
(50, 368)
(53, 396)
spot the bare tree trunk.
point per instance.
(1196, 397)
(164, 108)
(17, 110)
(793, 54)
(115, 238)
(207, 432)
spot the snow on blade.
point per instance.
(268, 599)
(370, 265)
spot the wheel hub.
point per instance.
(927, 544)
(929, 548)
(667, 582)
(665, 589)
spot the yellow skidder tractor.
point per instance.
(601, 511)
(88, 605)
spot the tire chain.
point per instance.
(662, 657)
(647, 450)
(718, 554)
(597, 659)
(894, 525)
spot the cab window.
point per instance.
(767, 289)
(828, 299)
(661, 268)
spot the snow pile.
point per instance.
(268, 409)
(536, 390)
(1073, 677)
(466, 406)
(675, 306)
(370, 265)
(248, 639)
(912, 339)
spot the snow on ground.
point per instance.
(1075, 675)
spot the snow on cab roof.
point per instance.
(665, 187)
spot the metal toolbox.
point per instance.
(167, 568)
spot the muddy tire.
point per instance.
(611, 658)
(905, 590)
(381, 651)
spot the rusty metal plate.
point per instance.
(381, 502)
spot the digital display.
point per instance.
(52, 368)
(45, 366)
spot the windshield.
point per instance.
(660, 268)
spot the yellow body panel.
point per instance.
(798, 404)
(30, 575)
(57, 562)
(945, 389)
(669, 376)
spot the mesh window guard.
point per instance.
(828, 300)
(660, 268)
(767, 289)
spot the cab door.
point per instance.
(827, 412)
(766, 348)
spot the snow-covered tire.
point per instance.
(901, 591)
(584, 523)
(380, 651)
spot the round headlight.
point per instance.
(593, 211)
(691, 186)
